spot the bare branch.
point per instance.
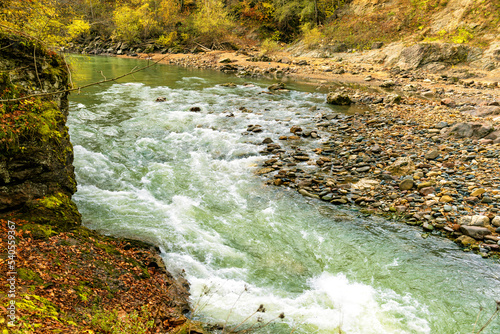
(7, 46)
(36, 67)
(84, 86)
(69, 73)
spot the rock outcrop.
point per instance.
(37, 177)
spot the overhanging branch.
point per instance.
(84, 86)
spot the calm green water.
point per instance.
(184, 180)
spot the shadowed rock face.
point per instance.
(422, 54)
(37, 177)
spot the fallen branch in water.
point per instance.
(84, 86)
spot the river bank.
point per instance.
(81, 281)
(424, 148)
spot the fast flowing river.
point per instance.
(184, 180)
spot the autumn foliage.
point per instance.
(165, 22)
(83, 282)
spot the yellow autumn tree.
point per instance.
(142, 19)
(50, 21)
(212, 22)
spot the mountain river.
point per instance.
(185, 181)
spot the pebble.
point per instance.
(432, 155)
(406, 184)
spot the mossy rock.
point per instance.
(57, 210)
(37, 177)
(39, 231)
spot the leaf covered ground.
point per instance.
(83, 282)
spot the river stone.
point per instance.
(424, 185)
(478, 192)
(406, 184)
(446, 199)
(267, 141)
(428, 94)
(496, 221)
(264, 170)
(475, 232)
(486, 200)
(338, 201)
(276, 86)
(387, 84)
(327, 197)
(392, 99)
(338, 99)
(466, 241)
(476, 220)
(432, 155)
(479, 220)
(441, 125)
(427, 226)
(363, 169)
(295, 129)
(418, 175)
(304, 192)
(365, 184)
(375, 149)
(402, 166)
(426, 191)
(447, 208)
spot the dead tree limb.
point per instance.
(84, 86)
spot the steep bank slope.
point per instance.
(37, 177)
(364, 21)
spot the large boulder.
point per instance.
(37, 176)
(468, 130)
(418, 55)
(338, 99)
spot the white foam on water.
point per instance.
(329, 303)
(183, 180)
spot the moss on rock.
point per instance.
(36, 173)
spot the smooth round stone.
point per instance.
(431, 155)
(486, 200)
(448, 208)
(406, 184)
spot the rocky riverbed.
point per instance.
(424, 148)
(416, 160)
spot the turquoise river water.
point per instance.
(185, 181)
